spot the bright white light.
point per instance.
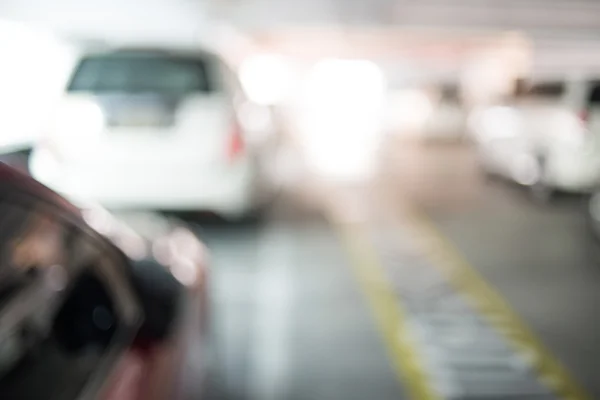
(265, 78)
(341, 117)
(410, 109)
(29, 88)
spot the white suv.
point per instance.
(147, 128)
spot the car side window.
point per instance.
(60, 317)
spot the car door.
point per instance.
(68, 313)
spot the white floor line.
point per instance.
(270, 353)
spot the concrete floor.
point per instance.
(290, 321)
(539, 257)
(542, 261)
(293, 324)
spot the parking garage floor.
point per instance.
(290, 320)
(300, 314)
(539, 257)
(338, 299)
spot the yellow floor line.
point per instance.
(467, 280)
(389, 314)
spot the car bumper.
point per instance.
(229, 190)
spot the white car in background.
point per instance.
(546, 138)
(152, 129)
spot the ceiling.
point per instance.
(565, 33)
(544, 17)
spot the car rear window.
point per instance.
(143, 73)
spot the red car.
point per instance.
(94, 307)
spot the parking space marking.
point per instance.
(269, 376)
(390, 316)
(491, 305)
(448, 334)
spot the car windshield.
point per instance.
(129, 72)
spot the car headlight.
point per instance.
(411, 109)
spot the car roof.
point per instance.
(167, 51)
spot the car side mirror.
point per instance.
(160, 296)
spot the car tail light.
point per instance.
(235, 144)
(583, 116)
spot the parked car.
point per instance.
(81, 317)
(547, 138)
(154, 129)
